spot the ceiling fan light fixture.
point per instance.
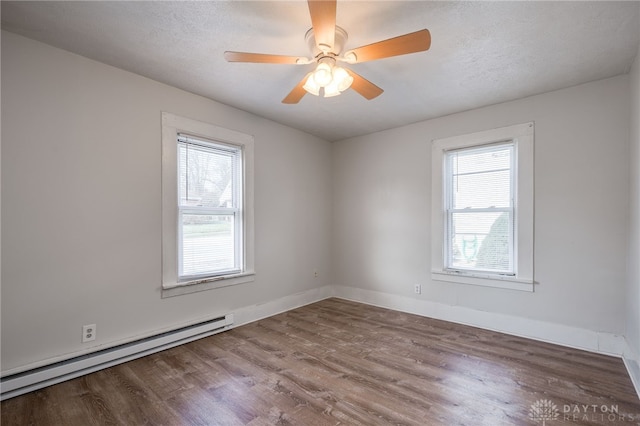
(341, 81)
(332, 89)
(342, 78)
(323, 75)
(311, 87)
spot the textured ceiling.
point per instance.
(481, 53)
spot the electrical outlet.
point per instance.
(88, 333)
(315, 273)
(417, 289)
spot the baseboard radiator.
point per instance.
(30, 380)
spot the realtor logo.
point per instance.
(543, 410)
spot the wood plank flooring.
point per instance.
(337, 362)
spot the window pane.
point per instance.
(481, 240)
(208, 244)
(482, 190)
(482, 159)
(205, 176)
(481, 177)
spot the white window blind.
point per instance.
(209, 208)
(480, 210)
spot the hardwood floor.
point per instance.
(339, 362)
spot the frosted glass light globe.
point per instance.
(322, 75)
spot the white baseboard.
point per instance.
(257, 312)
(574, 337)
(632, 362)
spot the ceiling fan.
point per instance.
(326, 41)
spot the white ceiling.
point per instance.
(481, 53)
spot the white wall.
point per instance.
(81, 205)
(633, 290)
(382, 197)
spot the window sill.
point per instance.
(206, 284)
(510, 283)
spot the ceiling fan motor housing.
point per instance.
(338, 44)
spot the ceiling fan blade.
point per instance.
(401, 45)
(297, 93)
(323, 21)
(263, 58)
(364, 86)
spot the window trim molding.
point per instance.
(172, 125)
(523, 137)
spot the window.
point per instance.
(483, 208)
(209, 208)
(479, 209)
(207, 196)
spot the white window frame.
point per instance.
(522, 136)
(172, 127)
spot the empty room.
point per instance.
(320, 213)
